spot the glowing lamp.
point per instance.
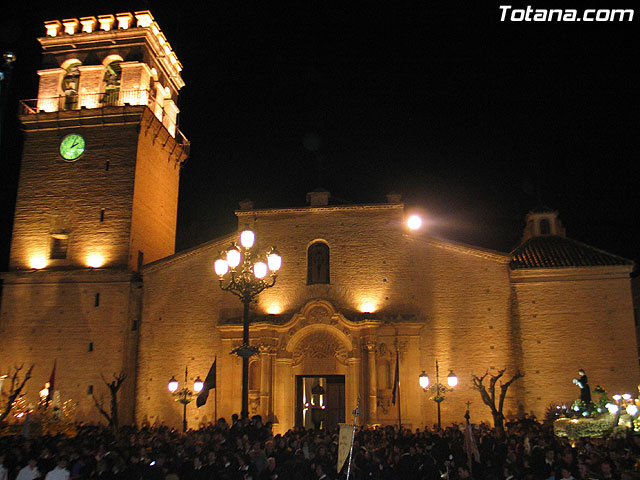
(221, 267)
(198, 385)
(260, 269)
(95, 261)
(627, 396)
(274, 309)
(613, 409)
(452, 380)
(247, 237)
(38, 262)
(424, 380)
(617, 397)
(367, 307)
(632, 410)
(274, 260)
(414, 222)
(44, 393)
(173, 385)
(233, 256)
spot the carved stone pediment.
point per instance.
(320, 345)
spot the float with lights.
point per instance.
(596, 419)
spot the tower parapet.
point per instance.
(108, 61)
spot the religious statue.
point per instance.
(583, 383)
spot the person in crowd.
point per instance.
(30, 470)
(60, 471)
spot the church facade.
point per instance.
(94, 282)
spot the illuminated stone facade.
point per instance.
(548, 308)
(114, 207)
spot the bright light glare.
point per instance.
(95, 261)
(274, 309)
(367, 307)
(452, 380)
(424, 380)
(198, 385)
(627, 396)
(173, 384)
(221, 266)
(260, 269)
(38, 262)
(632, 410)
(613, 409)
(274, 260)
(233, 257)
(414, 222)
(247, 237)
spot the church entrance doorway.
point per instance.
(320, 401)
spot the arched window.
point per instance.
(318, 263)
(70, 83)
(112, 75)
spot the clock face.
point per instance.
(72, 147)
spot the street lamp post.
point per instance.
(184, 395)
(244, 273)
(438, 389)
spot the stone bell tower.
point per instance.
(97, 199)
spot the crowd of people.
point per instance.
(246, 449)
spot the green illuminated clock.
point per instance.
(72, 147)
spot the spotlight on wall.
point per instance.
(38, 262)
(367, 307)
(95, 261)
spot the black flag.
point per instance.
(209, 383)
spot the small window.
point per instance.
(102, 214)
(140, 260)
(58, 246)
(96, 303)
(91, 346)
(107, 165)
(134, 326)
(318, 263)
(90, 390)
(545, 226)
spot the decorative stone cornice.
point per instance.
(543, 275)
(118, 29)
(332, 208)
(71, 275)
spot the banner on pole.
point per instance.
(344, 443)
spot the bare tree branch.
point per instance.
(99, 406)
(488, 394)
(113, 387)
(505, 386)
(14, 392)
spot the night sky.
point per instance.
(474, 121)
